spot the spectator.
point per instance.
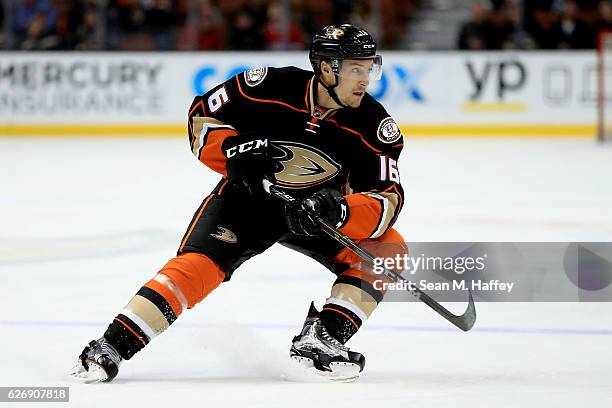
(205, 28)
(161, 19)
(229, 7)
(605, 15)
(132, 16)
(544, 30)
(342, 9)
(568, 26)
(86, 33)
(583, 34)
(34, 25)
(305, 20)
(319, 12)
(361, 16)
(473, 33)
(394, 18)
(244, 32)
(132, 19)
(2, 26)
(500, 28)
(70, 14)
(281, 32)
(258, 10)
(112, 31)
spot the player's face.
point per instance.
(353, 79)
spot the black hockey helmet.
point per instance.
(346, 41)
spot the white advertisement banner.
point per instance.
(421, 90)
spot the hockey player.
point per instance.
(320, 137)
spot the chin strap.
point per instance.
(330, 90)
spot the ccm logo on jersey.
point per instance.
(388, 131)
(245, 147)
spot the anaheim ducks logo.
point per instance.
(225, 235)
(301, 165)
(334, 32)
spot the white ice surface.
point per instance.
(84, 223)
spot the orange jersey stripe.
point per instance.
(194, 223)
(222, 187)
(307, 92)
(200, 104)
(267, 100)
(212, 153)
(363, 139)
(167, 294)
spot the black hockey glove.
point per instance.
(327, 203)
(248, 163)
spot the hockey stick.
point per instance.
(465, 321)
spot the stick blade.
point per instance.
(466, 321)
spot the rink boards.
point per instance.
(543, 94)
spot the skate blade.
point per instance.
(346, 372)
(303, 369)
(95, 374)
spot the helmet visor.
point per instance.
(361, 69)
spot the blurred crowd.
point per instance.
(535, 24)
(285, 24)
(43, 25)
(191, 24)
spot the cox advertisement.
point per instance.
(425, 92)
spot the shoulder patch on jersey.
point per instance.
(255, 76)
(388, 131)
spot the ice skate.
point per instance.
(316, 350)
(99, 362)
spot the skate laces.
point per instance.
(101, 348)
(329, 338)
(112, 353)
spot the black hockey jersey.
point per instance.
(354, 150)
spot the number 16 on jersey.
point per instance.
(388, 169)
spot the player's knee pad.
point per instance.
(187, 279)
(181, 283)
(388, 245)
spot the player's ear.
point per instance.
(325, 68)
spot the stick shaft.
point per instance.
(465, 321)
